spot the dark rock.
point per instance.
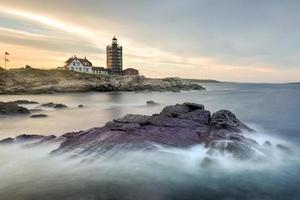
(224, 122)
(267, 144)
(239, 150)
(54, 105)
(48, 138)
(49, 105)
(7, 141)
(174, 111)
(60, 106)
(200, 116)
(12, 109)
(180, 109)
(35, 110)
(181, 125)
(207, 162)
(39, 116)
(24, 102)
(175, 89)
(283, 148)
(151, 103)
(131, 118)
(194, 106)
(80, 106)
(25, 137)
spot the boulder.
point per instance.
(7, 141)
(132, 118)
(24, 102)
(223, 123)
(283, 148)
(151, 103)
(54, 105)
(238, 149)
(267, 144)
(207, 162)
(12, 109)
(35, 110)
(47, 138)
(39, 116)
(174, 111)
(80, 106)
(194, 106)
(26, 137)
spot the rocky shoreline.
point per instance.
(37, 81)
(177, 126)
(16, 108)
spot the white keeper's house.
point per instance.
(83, 65)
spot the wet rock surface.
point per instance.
(180, 126)
(39, 116)
(23, 102)
(11, 108)
(54, 105)
(151, 103)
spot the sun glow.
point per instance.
(56, 23)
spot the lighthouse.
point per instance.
(114, 58)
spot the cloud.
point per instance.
(232, 40)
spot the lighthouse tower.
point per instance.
(114, 58)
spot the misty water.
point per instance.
(167, 173)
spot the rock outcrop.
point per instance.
(151, 103)
(11, 108)
(39, 116)
(181, 126)
(54, 105)
(23, 102)
(24, 81)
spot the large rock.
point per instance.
(28, 137)
(181, 125)
(10, 108)
(151, 103)
(54, 105)
(226, 120)
(39, 116)
(223, 123)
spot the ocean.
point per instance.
(271, 109)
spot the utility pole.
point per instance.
(5, 59)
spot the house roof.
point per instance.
(84, 61)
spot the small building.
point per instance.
(79, 65)
(130, 71)
(100, 70)
(83, 65)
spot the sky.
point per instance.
(228, 40)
